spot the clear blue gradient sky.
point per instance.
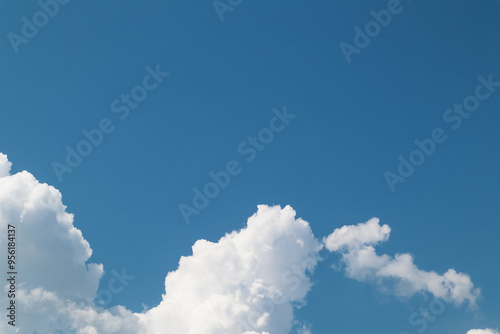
(352, 122)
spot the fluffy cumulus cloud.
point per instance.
(56, 284)
(397, 274)
(250, 281)
(483, 331)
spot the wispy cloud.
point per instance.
(398, 275)
(483, 331)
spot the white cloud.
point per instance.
(398, 274)
(54, 276)
(355, 236)
(54, 253)
(251, 279)
(482, 331)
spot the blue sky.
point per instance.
(353, 120)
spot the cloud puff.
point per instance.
(483, 331)
(51, 254)
(250, 281)
(397, 274)
(355, 236)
